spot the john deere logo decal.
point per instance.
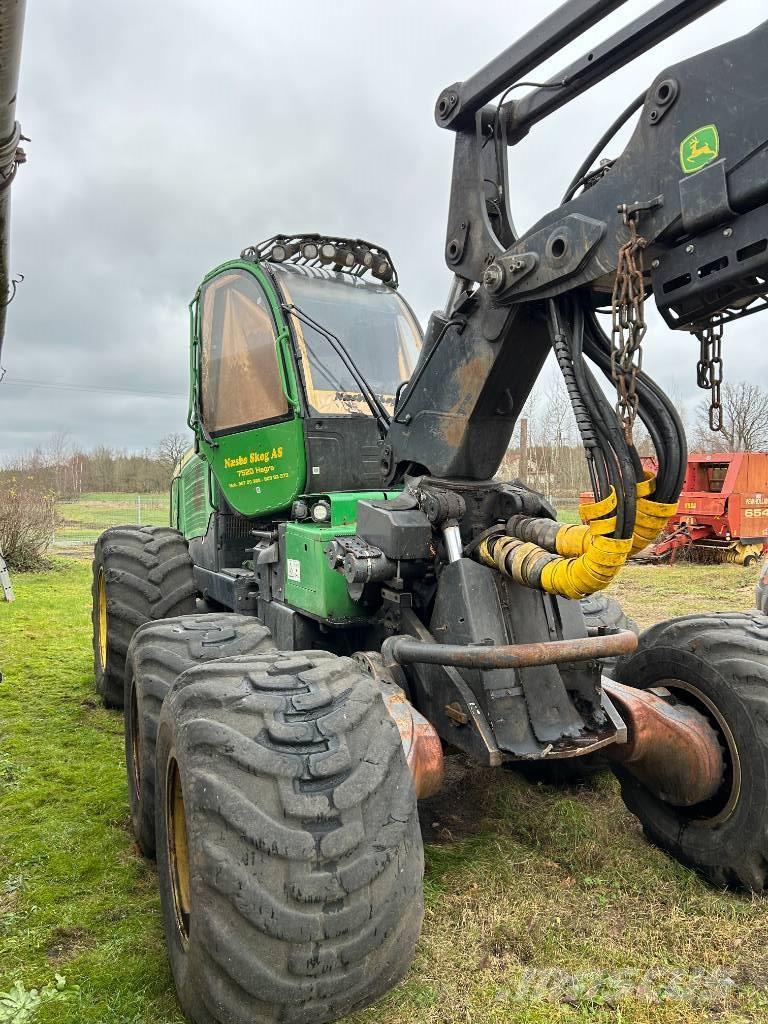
(699, 148)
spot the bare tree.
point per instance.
(170, 448)
(745, 420)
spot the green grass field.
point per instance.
(522, 881)
(82, 521)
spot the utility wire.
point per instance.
(96, 388)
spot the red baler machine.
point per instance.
(722, 511)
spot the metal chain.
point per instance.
(709, 369)
(628, 326)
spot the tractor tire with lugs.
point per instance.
(718, 663)
(158, 653)
(140, 573)
(289, 853)
(603, 610)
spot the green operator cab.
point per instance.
(281, 355)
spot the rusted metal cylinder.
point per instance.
(406, 651)
(671, 748)
(421, 743)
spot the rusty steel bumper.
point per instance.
(671, 748)
(407, 651)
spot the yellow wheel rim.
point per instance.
(178, 851)
(101, 597)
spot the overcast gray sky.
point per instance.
(168, 135)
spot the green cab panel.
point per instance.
(260, 470)
(191, 505)
(244, 397)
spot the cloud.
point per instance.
(166, 137)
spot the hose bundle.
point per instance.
(632, 505)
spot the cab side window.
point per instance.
(240, 380)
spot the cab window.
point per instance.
(240, 380)
(371, 321)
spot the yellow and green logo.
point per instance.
(699, 148)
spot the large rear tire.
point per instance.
(603, 610)
(719, 665)
(159, 652)
(289, 852)
(140, 573)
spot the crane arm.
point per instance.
(692, 184)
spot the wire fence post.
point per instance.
(138, 510)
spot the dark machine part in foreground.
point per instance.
(372, 595)
(11, 153)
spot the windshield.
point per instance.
(371, 321)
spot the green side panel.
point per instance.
(344, 503)
(310, 583)
(261, 470)
(191, 506)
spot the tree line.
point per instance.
(66, 470)
(549, 456)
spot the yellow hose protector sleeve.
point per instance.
(588, 560)
(572, 541)
(594, 570)
(647, 485)
(652, 516)
(595, 509)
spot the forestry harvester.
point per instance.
(346, 591)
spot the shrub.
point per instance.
(27, 524)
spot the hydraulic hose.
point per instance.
(657, 413)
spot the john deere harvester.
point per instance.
(345, 590)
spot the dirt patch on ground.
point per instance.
(67, 943)
(459, 809)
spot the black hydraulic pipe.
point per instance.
(459, 102)
(602, 60)
(601, 143)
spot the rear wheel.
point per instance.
(719, 665)
(289, 852)
(603, 610)
(140, 573)
(158, 654)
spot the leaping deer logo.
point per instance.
(695, 150)
(699, 148)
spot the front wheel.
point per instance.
(717, 664)
(159, 652)
(288, 844)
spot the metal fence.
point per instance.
(81, 520)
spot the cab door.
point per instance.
(245, 406)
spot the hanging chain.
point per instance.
(709, 369)
(628, 325)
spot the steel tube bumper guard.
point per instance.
(406, 651)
